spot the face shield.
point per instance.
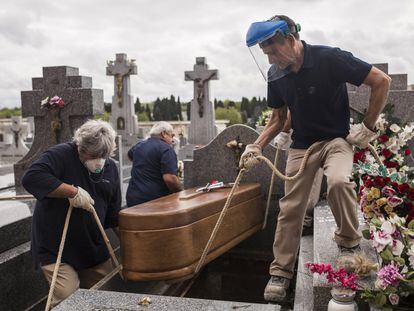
(269, 48)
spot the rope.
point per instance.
(58, 259)
(61, 247)
(269, 195)
(249, 162)
(251, 159)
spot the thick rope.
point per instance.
(118, 267)
(58, 259)
(219, 221)
(275, 172)
(269, 195)
(236, 184)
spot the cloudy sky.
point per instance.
(165, 37)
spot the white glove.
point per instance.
(247, 159)
(82, 199)
(360, 136)
(283, 140)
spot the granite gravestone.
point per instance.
(202, 128)
(123, 117)
(219, 161)
(57, 125)
(16, 148)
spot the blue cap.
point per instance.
(261, 31)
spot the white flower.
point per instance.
(399, 159)
(383, 237)
(394, 299)
(395, 128)
(397, 247)
(381, 122)
(396, 220)
(410, 253)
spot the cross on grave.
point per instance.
(202, 128)
(57, 125)
(123, 117)
(18, 131)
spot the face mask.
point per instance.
(95, 165)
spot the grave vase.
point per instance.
(342, 300)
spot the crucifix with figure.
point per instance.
(202, 128)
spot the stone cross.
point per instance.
(18, 131)
(123, 117)
(57, 125)
(202, 127)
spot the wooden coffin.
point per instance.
(163, 239)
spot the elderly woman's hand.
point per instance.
(82, 199)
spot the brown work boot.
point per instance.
(276, 288)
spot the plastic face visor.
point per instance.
(275, 62)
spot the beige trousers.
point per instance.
(69, 280)
(335, 157)
(313, 198)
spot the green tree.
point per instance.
(148, 112)
(138, 107)
(10, 112)
(230, 114)
(143, 117)
(157, 111)
(179, 110)
(108, 107)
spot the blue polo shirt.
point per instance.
(151, 159)
(84, 247)
(317, 96)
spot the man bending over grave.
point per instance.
(154, 168)
(310, 81)
(79, 173)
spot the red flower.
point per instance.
(379, 181)
(387, 179)
(403, 188)
(390, 164)
(383, 138)
(407, 152)
(359, 156)
(411, 196)
(368, 183)
(394, 184)
(386, 153)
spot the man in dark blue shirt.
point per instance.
(154, 168)
(310, 81)
(82, 174)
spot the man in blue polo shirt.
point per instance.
(154, 168)
(310, 81)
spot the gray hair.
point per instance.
(97, 138)
(160, 127)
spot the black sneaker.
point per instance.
(276, 288)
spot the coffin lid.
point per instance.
(171, 212)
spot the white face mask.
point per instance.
(95, 165)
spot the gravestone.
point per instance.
(15, 149)
(219, 162)
(57, 125)
(105, 300)
(399, 95)
(202, 127)
(123, 117)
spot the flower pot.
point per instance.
(342, 300)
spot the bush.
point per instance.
(9, 112)
(230, 114)
(143, 117)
